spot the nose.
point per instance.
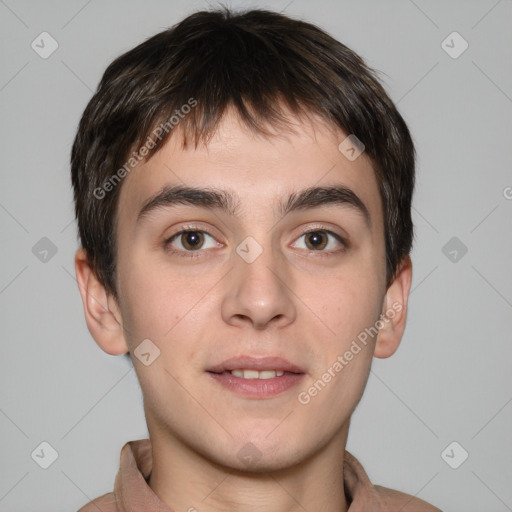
(259, 292)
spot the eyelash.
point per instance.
(197, 253)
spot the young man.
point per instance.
(243, 188)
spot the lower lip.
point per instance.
(258, 388)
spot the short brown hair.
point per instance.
(254, 61)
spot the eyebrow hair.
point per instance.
(211, 198)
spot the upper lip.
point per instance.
(255, 363)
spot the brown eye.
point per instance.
(316, 240)
(192, 240)
(322, 241)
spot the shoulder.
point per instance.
(405, 502)
(105, 503)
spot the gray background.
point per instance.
(449, 381)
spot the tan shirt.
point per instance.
(133, 494)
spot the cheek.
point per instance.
(346, 303)
(348, 306)
(149, 306)
(162, 304)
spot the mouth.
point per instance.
(254, 374)
(257, 377)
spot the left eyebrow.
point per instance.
(211, 198)
(316, 197)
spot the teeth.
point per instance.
(255, 374)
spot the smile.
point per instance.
(255, 374)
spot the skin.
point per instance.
(302, 304)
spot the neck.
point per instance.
(187, 481)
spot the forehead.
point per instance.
(257, 169)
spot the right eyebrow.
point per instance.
(206, 198)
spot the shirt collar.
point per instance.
(133, 493)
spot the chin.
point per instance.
(262, 456)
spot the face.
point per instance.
(225, 291)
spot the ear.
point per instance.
(101, 311)
(394, 311)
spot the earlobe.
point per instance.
(102, 314)
(394, 311)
